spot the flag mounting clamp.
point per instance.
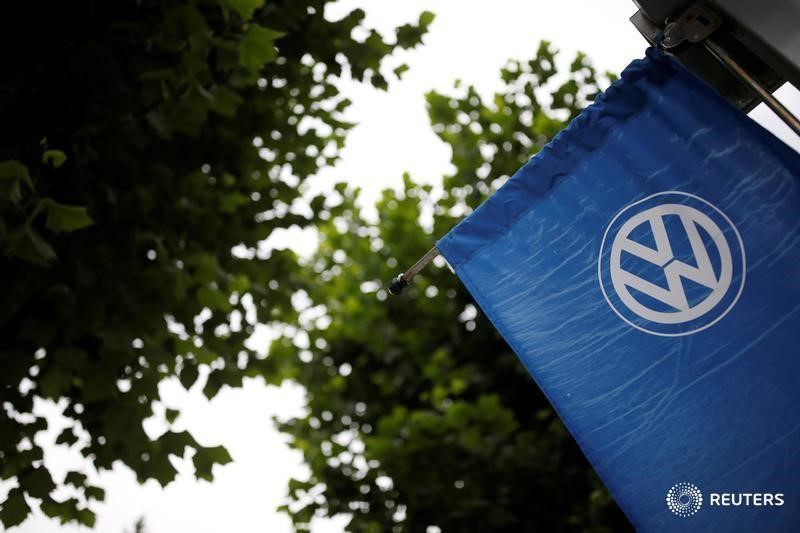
(696, 25)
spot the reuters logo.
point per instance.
(684, 499)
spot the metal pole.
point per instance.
(399, 283)
(784, 114)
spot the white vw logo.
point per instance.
(657, 307)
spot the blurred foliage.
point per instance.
(419, 413)
(138, 527)
(147, 147)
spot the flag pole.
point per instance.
(402, 281)
(723, 57)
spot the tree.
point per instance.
(148, 147)
(418, 413)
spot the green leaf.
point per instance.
(213, 384)
(95, 493)
(213, 299)
(55, 158)
(189, 374)
(172, 415)
(176, 442)
(76, 479)
(102, 385)
(51, 507)
(10, 170)
(402, 69)
(26, 243)
(10, 190)
(189, 116)
(86, 517)
(54, 383)
(158, 123)
(229, 203)
(61, 217)
(240, 284)
(11, 173)
(206, 458)
(225, 101)
(15, 509)
(245, 8)
(258, 47)
(207, 268)
(37, 482)
(426, 18)
(409, 35)
(204, 356)
(66, 510)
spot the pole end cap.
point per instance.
(397, 285)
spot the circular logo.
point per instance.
(684, 499)
(671, 264)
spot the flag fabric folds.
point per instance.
(644, 267)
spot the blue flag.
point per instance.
(645, 267)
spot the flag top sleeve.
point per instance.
(643, 267)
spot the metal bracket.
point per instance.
(694, 25)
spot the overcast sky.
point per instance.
(470, 40)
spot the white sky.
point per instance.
(470, 40)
